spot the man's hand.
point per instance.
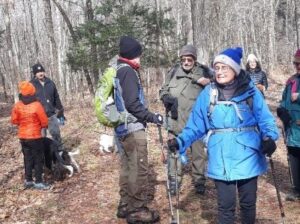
(268, 147)
(203, 81)
(171, 104)
(173, 145)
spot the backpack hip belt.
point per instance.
(224, 130)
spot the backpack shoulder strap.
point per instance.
(213, 97)
(174, 69)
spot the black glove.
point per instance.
(174, 110)
(173, 145)
(168, 101)
(284, 116)
(268, 147)
(157, 119)
(171, 104)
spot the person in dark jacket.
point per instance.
(30, 116)
(47, 94)
(132, 137)
(183, 84)
(289, 113)
(239, 135)
(258, 76)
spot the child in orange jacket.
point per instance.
(29, 115)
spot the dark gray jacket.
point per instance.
(48, 96)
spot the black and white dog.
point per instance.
(58, 160)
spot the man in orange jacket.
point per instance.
(30, 116)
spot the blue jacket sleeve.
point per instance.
(196, 126)
(264, 117)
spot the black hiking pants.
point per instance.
(33, 151)
(226, 191)
(294, 162)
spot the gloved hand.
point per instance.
(174, 110)
(157, 119)
(173, 145)
(169, 101)
(268, 147)
(284, 116)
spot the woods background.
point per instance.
(75, 39)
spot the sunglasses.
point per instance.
(189, 60)
(296, 63)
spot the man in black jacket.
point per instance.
(47, 94)
(132, 137)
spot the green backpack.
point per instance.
(109, 104)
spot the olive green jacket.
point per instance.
(183, 86)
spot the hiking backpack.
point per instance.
(109, 104)
(214, 95)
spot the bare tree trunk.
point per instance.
(12, 58)
(199, 29)
(50, 32)
(296, 24)
(4, 86)
(36, 46)
(75, 41)
(93, 47)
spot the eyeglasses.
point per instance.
(222, 68)
(296, 63)
(189, 60)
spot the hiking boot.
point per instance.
(42, 186)
(200, 189)
(122, 211)
(293, 196)
(28, 184)
(142, 216)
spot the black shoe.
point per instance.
(200, 189)
(143, 216)
(122, 211)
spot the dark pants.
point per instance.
(294, 163)
(33, 158)
(226, 191)
(133, 180)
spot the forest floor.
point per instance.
(92, 195)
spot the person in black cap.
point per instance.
(48, 95)
(132, 137)
(183, 84)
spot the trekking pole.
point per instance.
(176, 188)
(277, 191)
(173, 221)
(162, 153)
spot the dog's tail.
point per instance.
(76, 152)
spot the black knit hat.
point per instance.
(37, 68)
(129, 48)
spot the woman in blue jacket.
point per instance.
(239, 129)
